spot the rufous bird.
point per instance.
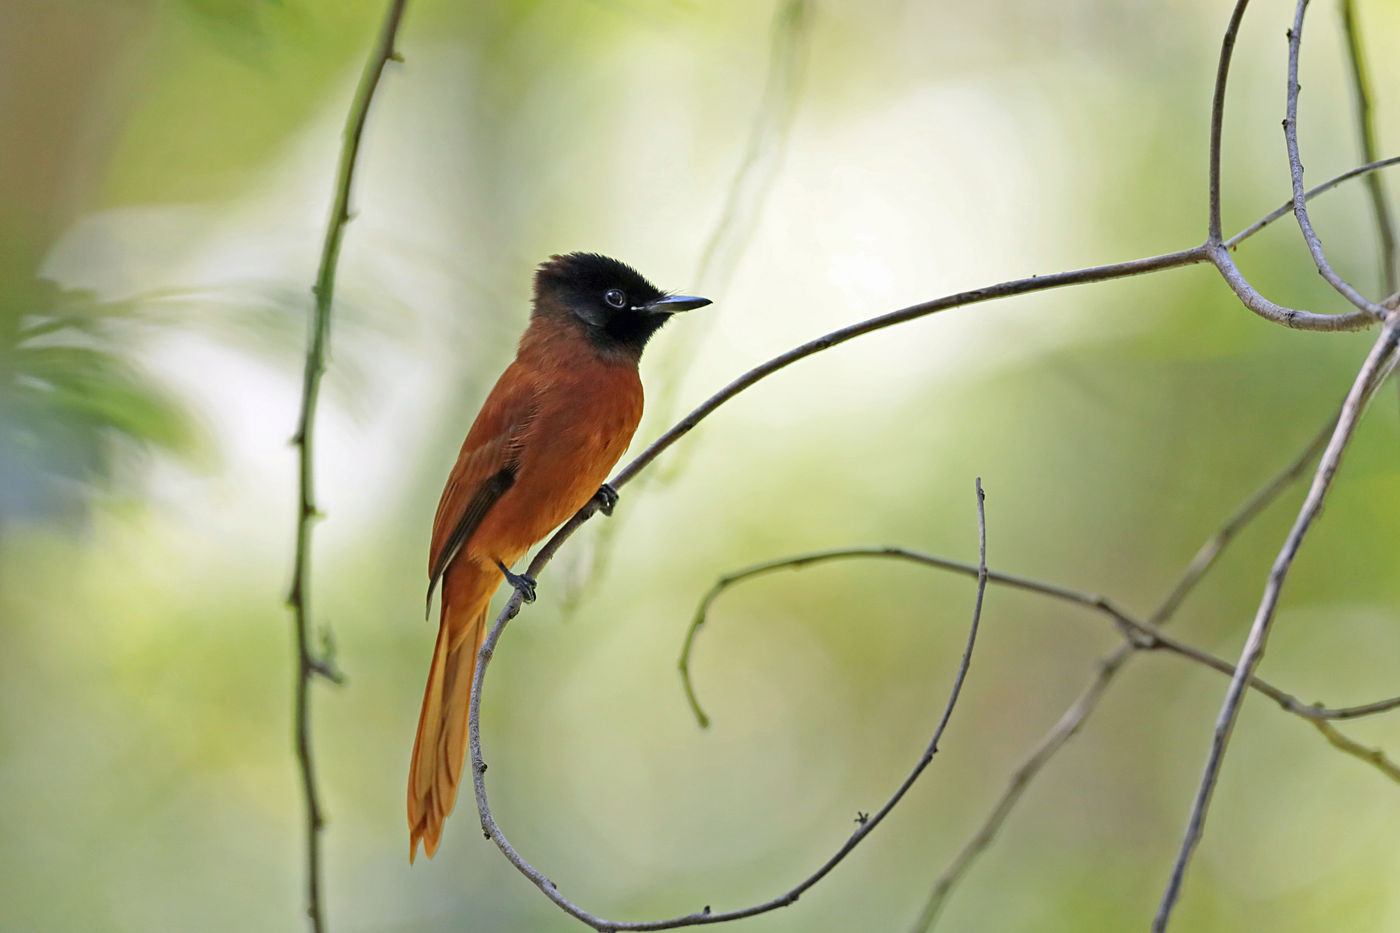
(541, 447)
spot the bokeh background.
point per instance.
(165, 174)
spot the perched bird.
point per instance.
(542, 445)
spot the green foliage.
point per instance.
(72, 401)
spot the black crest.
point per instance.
(615, 303)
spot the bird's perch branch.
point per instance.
(309, 662)
(706, 915)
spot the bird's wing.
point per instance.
(485, 469)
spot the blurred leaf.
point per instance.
(70, 401)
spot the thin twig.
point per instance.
(975, 296)
(1369, 170)
(309, 663)
(1142, 636)
(1366, 130)
(1295, 166)
(706, 916)
(1253, 651)
(1217, 120)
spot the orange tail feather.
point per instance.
(435, 769)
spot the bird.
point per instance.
(542, 446)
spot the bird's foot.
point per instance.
(524, 584)
(607, 498)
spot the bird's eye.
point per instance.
(615, 297)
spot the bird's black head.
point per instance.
(618, 309)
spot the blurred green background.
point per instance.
(166, 174)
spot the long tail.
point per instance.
(440, 747)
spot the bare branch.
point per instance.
(299, 598)
(1365, 383)
(706, 916)
(1034, 283)
(1295, 166)
(1366, 130)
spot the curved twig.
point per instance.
(1214, 227)
(1295, 167)
(309, 664)
(1024, 286)
(706, 916)
(1142, 636)
(1214, 246)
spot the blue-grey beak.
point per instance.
(673, 303)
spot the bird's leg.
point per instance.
(607, 498)
(523, 583)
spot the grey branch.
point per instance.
(1372, 372)
(1215, 248)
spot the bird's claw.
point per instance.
(524, 583)
(607, 499)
